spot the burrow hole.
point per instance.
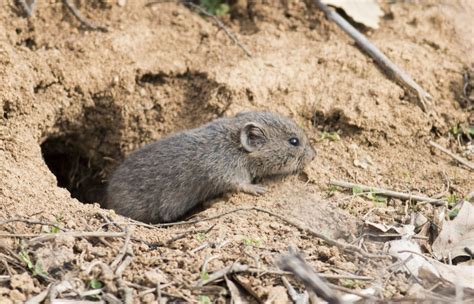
(86, 148)
(73, 169)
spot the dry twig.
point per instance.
(216, 20)
(387, 65)
(297, 265)
(33, 222)
(389, 193)
(126, 249)
(27, 8)
(46, 237)
(234, 268)
(301, 298)
(83, 20)
(221, 25)
(461, 160)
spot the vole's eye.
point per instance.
(294, 141)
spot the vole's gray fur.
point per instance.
(165, 179)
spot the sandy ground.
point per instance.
(74, 102)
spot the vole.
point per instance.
(165, 179)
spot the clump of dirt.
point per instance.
(75, 102)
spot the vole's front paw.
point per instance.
(252, 189)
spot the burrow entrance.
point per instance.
(87, 146)
(79, 174)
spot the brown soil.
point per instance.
(74, 102)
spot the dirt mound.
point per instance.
(75, 102)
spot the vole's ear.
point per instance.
(252, 136)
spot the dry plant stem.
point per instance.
(234, 268)
(125, 249)
(184, 234)
(46, 237)
(233, 290)
(297, 265)
(39, 298)
(295, 297)
(389, 193)
(220, 25)
(417, 237)
(121, 268)
(127, 292)
(8, 269)
(461, 160)
(262, 271)
(110, 298)
(351, 291)
(31, 222)
(84, 21)
(386, 64)
(29, 9)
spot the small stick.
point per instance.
(7, 267)
(323, 275)
(389, 193)
(150, 290)
(200, 247)
(418, 237)
(39, 298)
(463, 161)
(219, 23)
(301, 298)
(110, 298)
(297, 265)
(234, 291)
(234, 268)
(125, 249)
(50, 236)
(184, 234)
(387, 65)
(83, 20)
(352, 291)
(127, 292)
(29, 9)
(121, 268)
(33, 222)
(158, 292)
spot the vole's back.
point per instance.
(165, 179)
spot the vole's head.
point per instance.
(274, 144)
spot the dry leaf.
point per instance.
(429, 269)
(405, 231)
(410, 252)
(366, 12)
(456, 235)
